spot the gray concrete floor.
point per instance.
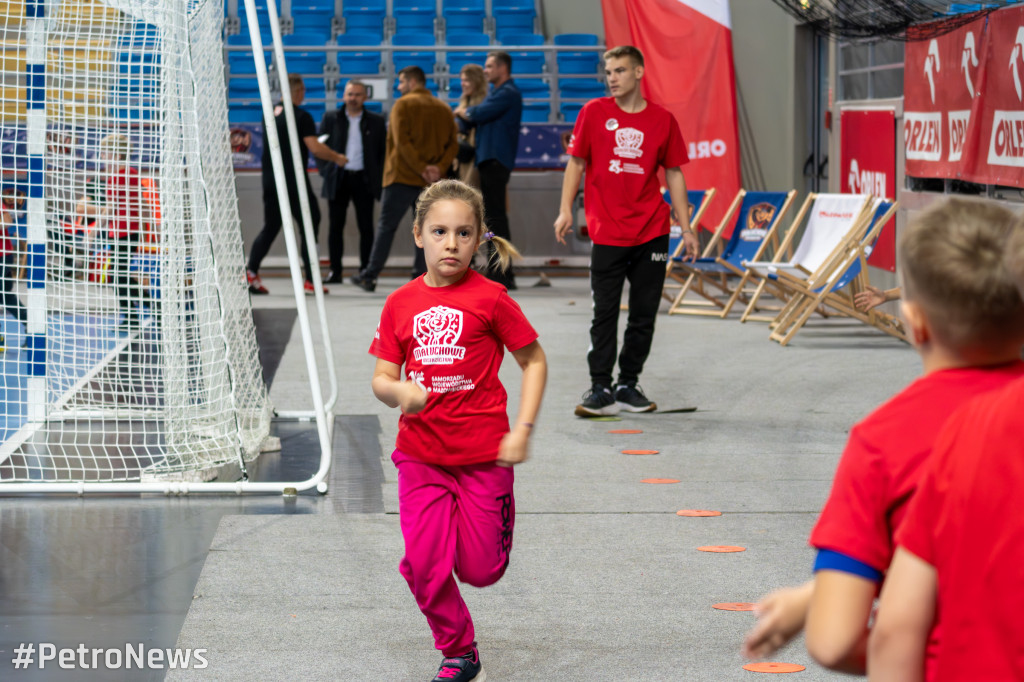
(606, 582)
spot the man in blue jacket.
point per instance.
(497, 121)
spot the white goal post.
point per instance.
(129, 359)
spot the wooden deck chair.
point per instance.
(832, 221)
(850, 270)
(699, 200)
(718, 277)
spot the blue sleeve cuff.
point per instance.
(834, 561)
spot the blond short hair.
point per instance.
(457, 190)
(953, 264)
(117, 146)
(623, 51)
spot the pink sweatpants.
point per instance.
(460, 519)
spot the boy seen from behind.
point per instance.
(961, 548)
(966, 320)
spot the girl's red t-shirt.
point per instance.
(451, 341)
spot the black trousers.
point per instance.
(494, 179)
(610, 267)
(396, 199)
(129, 291)
(352, 187)
(272, 226)
(8, 274)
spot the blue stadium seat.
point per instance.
(525, 62)
(533, 88)
(245, 114)
(307, 61)
(536, 112)
(376, 106)
(463, 15)
(402, 58)
(513, 16)
(580, 88)
(365, 16)
(312, 17)
(241, 63)
(414, 15)
(359, 62)
(577, 62)
(468, 38)
(569, 111)
(243, 88)
(307, 37)
(456, 60)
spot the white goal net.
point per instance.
(129, 347)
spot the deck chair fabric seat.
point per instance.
(850, 270)
(699, 200)
(754, 218)
(832, 219)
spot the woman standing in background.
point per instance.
(474, 90)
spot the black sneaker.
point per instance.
(363, 283)
(597, 402)
(631, 398)
(461, 668)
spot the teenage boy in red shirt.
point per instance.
(967, 322)
(961, 548)
(621, 141)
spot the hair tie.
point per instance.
(488, 236)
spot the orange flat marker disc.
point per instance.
(625, 431)
(660, 480)
(639, 452)
(734, 606)
(774, 667)
(698, 512)
(721, 549)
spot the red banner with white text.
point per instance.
(687, 47)
(867, 165)
(964, 102)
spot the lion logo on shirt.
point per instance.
(759, 218)
(628, 142)
(437, 330)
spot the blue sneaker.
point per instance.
(461, 668)
(597, 402)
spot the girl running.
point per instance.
(455, 450)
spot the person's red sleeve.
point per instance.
(511, 325)
(854, 520)
(675, 150)
(579, 143)
(386, 345)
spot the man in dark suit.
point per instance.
(359, 136)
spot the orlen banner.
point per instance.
(867, 160)
(687, 46)
(964, 102)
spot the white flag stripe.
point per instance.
(716, 10)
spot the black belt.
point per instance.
(358, 172)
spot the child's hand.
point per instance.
(780, 617)
(413, 397)
(514, 447)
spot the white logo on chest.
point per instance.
(628, 142)
(437, 330)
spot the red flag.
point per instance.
(687, 46)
